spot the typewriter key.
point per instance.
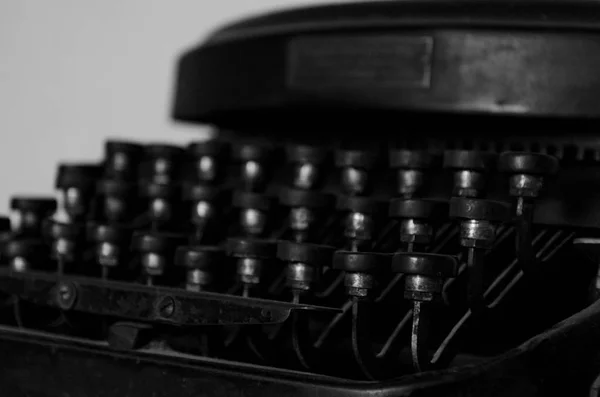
(418, 218)
(207, 157)
(252, 256)
(200, 264)
(118, 200)
(162, 204)
(469, 168)
(425, 275)
(161, 164)
(77, 184)
(308, 162)
(411, 168)
(66, 243)
(478, 220)
(111, 243)
(156, 251)
(305, 207)
(121, 160)
(254, 209)
(255, 158)
(356, 166)
(29, 213)
(361, 270)
(528, 172)
(304, 263)
(359, 224)
(24, 254)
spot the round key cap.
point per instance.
(303, 153)
(38, 205)
(252, 151)
(98, 232)
(251, 248)
(199, 257)
(424, 264)
(156, 242)
(212, 148)
(311, 254)
(477, 209)
(163, 150)
(121, 158)
(355, 158)
(291, 197)
(528, 163)
(412, 159)
(419, 209)
(25, 253)
(364, 205)
(468, 160)
(257, 201)
(199, 192)
(81, 176)
(361, 262)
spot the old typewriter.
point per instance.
(400, 198)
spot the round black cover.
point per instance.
(156, 242)
(361, 262)
(434, 210)
(362, 204)
(251, 248)
(433, 265)
(528, 163)
(109, 233)
(469, 160)
(82, 176)
(116, 188)
(311, 254)
(41, 205)
(304, 153)
(26, 248)
(479, 209)
(202, 257)
(258, 201)
(115, 146)
(361, 158)
(199, 192)
(211, 147)
(291, 197)
(413, 159)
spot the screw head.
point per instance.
(66, 295)
(166, 307)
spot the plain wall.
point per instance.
(75, 72)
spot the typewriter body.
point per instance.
(401, 198)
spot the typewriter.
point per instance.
(401, 198)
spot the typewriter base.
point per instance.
(565, 360)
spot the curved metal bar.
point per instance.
(362, 346)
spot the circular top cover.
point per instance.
(419, 209)
(361, 158)
(113, 146)
(212, 147)
(432, 265)
(156, 242)
(425, 55)
(362, 204)
(199, 257)
(479, 209)
(252, 151)
(311, 254)
(24, 248)
(361, 262)
(468, 160)
(258, 201)
(82, 176)
(251, 248)
(302, 153)
(528, 163)
(99, 232)
(35, 204)
(412, 159)
(291, 197)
